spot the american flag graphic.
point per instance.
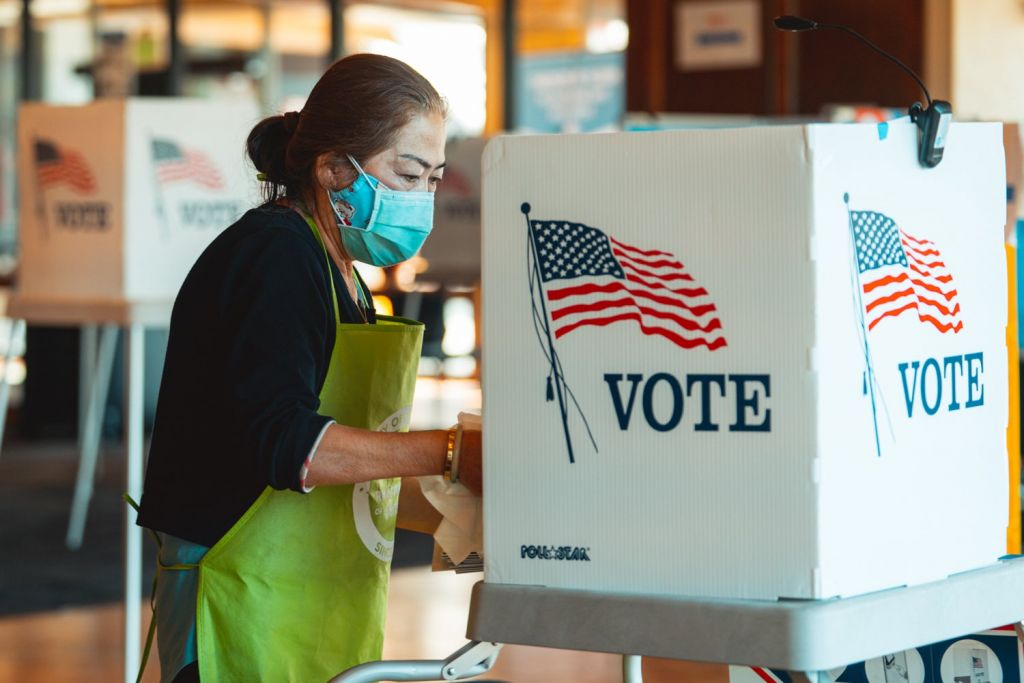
(56, 166)
(591, 279)
(176, 164)
(905, 274)
(766, 675)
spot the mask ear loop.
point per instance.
(359, 168)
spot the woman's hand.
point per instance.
(470, 463)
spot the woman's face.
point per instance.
(416, 160)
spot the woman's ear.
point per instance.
(334, 172)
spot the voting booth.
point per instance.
(756, 363)
(453, 250)
(120, 197)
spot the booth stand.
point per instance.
(804, 637)
(109, 317)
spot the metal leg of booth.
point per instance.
(809, 677)
(88, 345)
(631, 671)
(134, 355)
(99, 387)
(17, 331)
(473, 659)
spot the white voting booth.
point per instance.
(757, 363)
(744, 399)
(118, 198)
(453, 250)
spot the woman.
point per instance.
(280, 389)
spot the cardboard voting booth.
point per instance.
(119, 197)
(453, 250)
(754, 363)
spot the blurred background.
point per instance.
(519, 66)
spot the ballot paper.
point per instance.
(460, 534)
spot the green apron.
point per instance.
(297, 588)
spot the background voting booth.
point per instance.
(746, 401)
(120, 197)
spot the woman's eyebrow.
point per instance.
(422, 162)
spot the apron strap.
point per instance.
(327, 258)
(152, 596)
(364, 292)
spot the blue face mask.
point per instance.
(380, 226)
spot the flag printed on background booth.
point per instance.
(175, 164)
(902, 274)
(581, 277)
(56, 166)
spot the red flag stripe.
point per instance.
(671, 277)
(657, 285)
(926, 264)
(941, 326)
(883, 281)
(881, 301)
(945, 311)
(686, 323)
(764, 675)
(955, 324)
(649, 330)
(921, 252)
(892, 314)
(652, 252)
(661, 263)
(71, 170)
(923, 272)
(558, 294)
(934, 289)
(910, 237)
(193, 166)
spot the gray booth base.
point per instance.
(799, 636)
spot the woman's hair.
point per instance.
(357, 107)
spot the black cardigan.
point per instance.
(250, 340)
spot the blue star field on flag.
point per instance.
(571, 250)
(878, 241)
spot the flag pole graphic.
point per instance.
(555, 370)
(161, 206)
(858, 286)
(40, 199)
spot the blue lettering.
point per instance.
(705, 424)
(623, 414)
(947, 363)
(677, 402)
(743, 402)
(909, 392)
(934, 408)
(974, 379)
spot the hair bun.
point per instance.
(268, 146)
(291, 121)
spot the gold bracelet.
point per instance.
(450, 453)
(456, 452)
